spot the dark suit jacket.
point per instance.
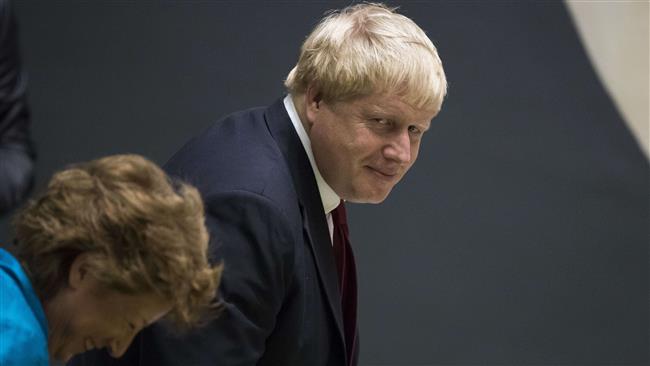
(266, 219)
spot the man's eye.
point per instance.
(381, 121)
(131, 326)
(415, 130)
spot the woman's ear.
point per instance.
(78, 275)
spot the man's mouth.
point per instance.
(384, 173)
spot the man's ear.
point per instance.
(78, 274)
(312, 103)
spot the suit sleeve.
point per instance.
(253, 239)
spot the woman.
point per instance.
(110, 247)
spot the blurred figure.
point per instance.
(110, 247)
(16, 149)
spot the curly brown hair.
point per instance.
(143, 232)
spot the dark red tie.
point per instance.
(347, 278)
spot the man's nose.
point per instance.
(399, 148)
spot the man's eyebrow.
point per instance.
(377, 110)
(374, 108)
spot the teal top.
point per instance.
(23, 327)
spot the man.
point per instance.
(364, 90)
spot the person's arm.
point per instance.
(16, 149)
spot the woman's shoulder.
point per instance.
(24, 336)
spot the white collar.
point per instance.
(327, 195)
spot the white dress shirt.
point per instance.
(327, 195)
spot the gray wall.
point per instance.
(519, 237)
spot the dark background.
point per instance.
(521, 235)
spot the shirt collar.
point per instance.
(327, 195)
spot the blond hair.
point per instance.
(366, 49)
(142, 231)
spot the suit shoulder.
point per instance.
(237, 153)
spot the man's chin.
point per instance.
(369, 196)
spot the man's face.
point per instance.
(365, 146)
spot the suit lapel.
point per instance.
(314, 221)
